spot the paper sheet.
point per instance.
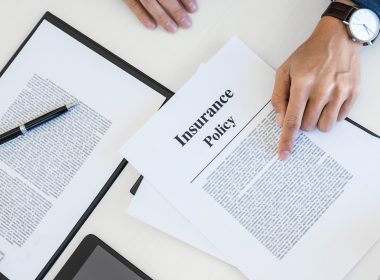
(163, 215)
(149, 206)
(312, 217)
(152, 208)
(50, 176)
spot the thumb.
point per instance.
(281, 92)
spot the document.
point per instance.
(211, 152)
(149, 206)
(50, 176)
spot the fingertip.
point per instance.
(186, 22)
(325, 128)
(150, 25)
(286, 144)
(284, 155)
(171, 27)
(192, 7)
(340, 119)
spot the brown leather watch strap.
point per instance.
(339, 10)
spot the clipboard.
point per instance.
(89, 43)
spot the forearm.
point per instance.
(349, 2)
(370, 4)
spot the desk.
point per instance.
(272, 28)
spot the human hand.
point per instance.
(318, 84)
(170, 14)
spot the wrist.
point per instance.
(362, 25)
(336, 32)
(347, 2)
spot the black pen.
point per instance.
(21, 130)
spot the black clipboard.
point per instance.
(80, 37)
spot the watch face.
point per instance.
(364, 25)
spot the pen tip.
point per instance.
(71, 105)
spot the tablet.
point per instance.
(95, 260)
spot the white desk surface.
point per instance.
(272, 28)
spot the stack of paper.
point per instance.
(213, 178)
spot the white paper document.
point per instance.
(211, 152)
(51, 175)
(149, 206)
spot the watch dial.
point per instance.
(364, 25)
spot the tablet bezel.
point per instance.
(84, 251)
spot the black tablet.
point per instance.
(95, 260)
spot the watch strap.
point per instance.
(339, 10)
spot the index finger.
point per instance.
(293, 120)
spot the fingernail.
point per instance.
(150, 25)
(279, 119)
(171, 27)
(193, 7)
(284, 155)
(186, 22)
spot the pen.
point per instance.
(21, 130)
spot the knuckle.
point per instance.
(292, 123)
(132, 4)
(163, 19)
(304, 79)
(179, 14)
(281, 71)
(323, 89)
(319, 93)
(148, 2)
(300, 84)
(342, 89)
(187, 2)
(286, 144)
(297, 87)
(355, 91)
(317, 100)
(339, 95)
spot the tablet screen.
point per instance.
(102, 265)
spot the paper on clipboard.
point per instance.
(49, 177)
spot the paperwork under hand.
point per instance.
(49, 177)
(211, 152)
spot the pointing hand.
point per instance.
(318, 84)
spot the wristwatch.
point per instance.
(363, 25)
